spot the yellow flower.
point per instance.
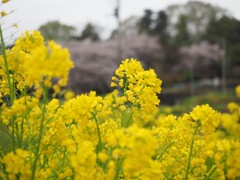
(233, 163)
(39, 60)
(84, 162)
(29, 41)
(232, 106)
(3, 13)
(69, 95)
(103, 156)
(140, 87)
(47, 83)
(56, 88)
(209, 119)
(18, 163)
(5, 1)
(137, 146)
(70, 145)
(38, 93)
(238, 91)
(121, 135)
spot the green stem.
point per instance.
(64, 157)
(99, 134)
(6, 66)
(40, 133)
(169, 168)
(18, 136)
(22, 128)
(190, 152)
(11, 90)
(168, 146)
(125, 86)
(118, 167)
(13, 132)
(211, 173)
(129, 118)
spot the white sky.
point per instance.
(30, 14)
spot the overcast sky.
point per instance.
(30, 14)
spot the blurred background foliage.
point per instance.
(192, 47)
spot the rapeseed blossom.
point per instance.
(5, 1)
(238, 91)
(140, 88)
(18, 164)
(120, 135)
(28, 41)
(208, 118)
(40, 71)
(3, 13)
(234, 163)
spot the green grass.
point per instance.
(216, 99)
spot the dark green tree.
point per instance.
(182, 37)
(89, 32)
(195, 16)
(160, 28)
(145, 23)
(226, 30)
(54, 30)
(226, 27)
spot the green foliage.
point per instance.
(224, 27)
(154, 26)
(225, 31)
(145, 22)
(193, 17)
(90, 33)
(54, 30)
(234, 53)
(182, 37)
(160, 29)
(216, 99)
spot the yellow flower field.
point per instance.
(119, 136)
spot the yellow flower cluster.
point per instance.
(28, 41)
(18, 163)
(5, 1)
(47, 63)
(238, 91)
(140, 86)
(207, 117)
(30, 63)
(121, 135)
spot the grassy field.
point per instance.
(216, 99)
(121, 135)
